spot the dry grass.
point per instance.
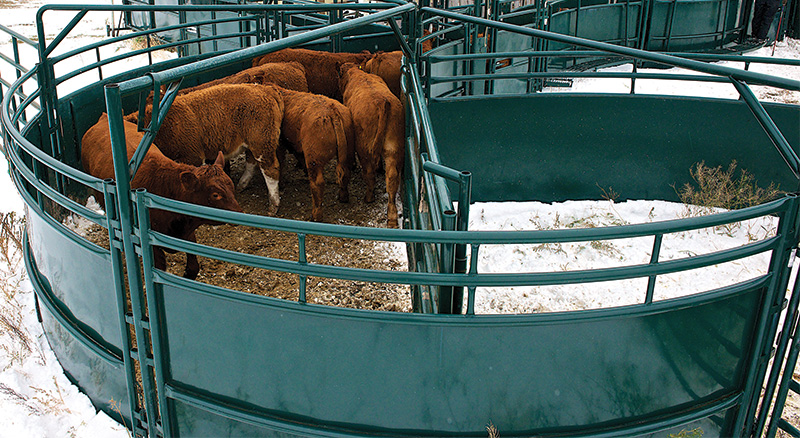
(721, 188)
(12, 275)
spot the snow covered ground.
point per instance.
(37, 400)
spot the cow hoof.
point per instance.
(191, 275)
(272, 210)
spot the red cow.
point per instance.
(322, 68)
(321, 129)
(290, 75)
(379, 124)
(226, 118)
(206, 185)
(387, 66)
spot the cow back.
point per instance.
(321, 67)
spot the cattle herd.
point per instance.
(317, 105)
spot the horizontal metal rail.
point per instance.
(473, 238)
(708, 57)
(778, 206)
(140, 84)
(575, 74)
(742, 75)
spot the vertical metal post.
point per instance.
(301, 254)
(473, 270)
(159, 362)
(112, 224)
(126, 216)
(768, 322)
(651, 281)
(789, 340)
(48, 102)
(460, 258)
(644, 24)
(671, 25)
(446, 299)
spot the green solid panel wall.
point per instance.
(556, 147)
(402, 373)
(81, 279)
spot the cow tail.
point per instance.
(344, 152)
(380, 130)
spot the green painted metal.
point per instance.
(227, 363)
(789, 341)
(644, 160)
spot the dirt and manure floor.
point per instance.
(296, 204)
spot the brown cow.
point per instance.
(322, 68)
(379, 124)
(321, 129)
(387, 66)
(226, 118)
(290, 75)
(206, 185)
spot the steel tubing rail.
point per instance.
(769, 126)
(779, 206)
(140, 84)
(507, 279)
(593, 53)
(738, 74)
(425, 236)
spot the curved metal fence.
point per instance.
(187, 358)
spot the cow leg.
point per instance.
(368, 167)
(249, 170)
(391, 167)
(317, 181)
(343, 179)
(271, 170)
(192, 264)
(159, 258)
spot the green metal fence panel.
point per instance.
(417, 376)
(232, 364)
(78, 310)
(81, 284)
(581, 146)
(691, 25)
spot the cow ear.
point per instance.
(189, 180)
(220, 160)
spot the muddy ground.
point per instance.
(296, 204)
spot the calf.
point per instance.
(322, 68)
(290, 75)
(225, 118)
(387, 66)
(379, 125)
(206, 185)
(321, 129)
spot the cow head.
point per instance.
(210, 186)
(344, 73)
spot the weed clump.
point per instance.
(721, 188)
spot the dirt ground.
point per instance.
(296, 204)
